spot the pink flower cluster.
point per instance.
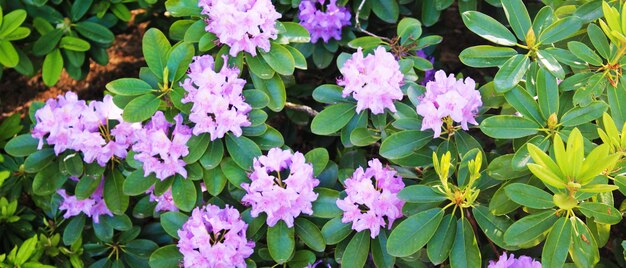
(325, 23)
(165, 201)
(71, 124)
(447, 97)
(93, 206)
(243, 25)
(282, 186)
(369, 202)
(214, 237)
(374, 81)
(506, 261)
(218, 104)
(161, 151)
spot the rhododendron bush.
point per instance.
(327, 133)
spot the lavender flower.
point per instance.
(511, 262)
(70, 124)
(243, 25)
(161, 151)
(325, 23)
(369, 202)
(449, 99)
(218, 104)
(282, 186)
(93, 206)
(214, 237)
(430, 74)
(374, 81)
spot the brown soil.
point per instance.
(17, 92)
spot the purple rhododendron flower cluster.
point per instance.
(325, 23)
(93, 206)
(430, 74)
(282, 186)
(374, 81)
(218, 104)
(369, 202)
(165, 201)
(506, 261)
(68, 123)
(449, 98)
(161, 151)
(243, 25)
(214, 237)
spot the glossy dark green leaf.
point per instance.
(357, 250)
(508, 127)
(554, 251)
(518, 17)
(184, 193)
(332, 118)
(511, 73)
(488, 28)
(529, 196)
(486, 56)
(413, 233)
(280, 242)
(420, 194)
(530, 228)
(334, 231)
(310, 234)
(242, 150)
(141, 108)
(439, 246)
(403, 143)
(114, 196)
(52, 68)
(129, 87)
(165, 257)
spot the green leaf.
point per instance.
(357, 250)
(280, 242)
(439, 246)
(332, 118)
(550, 63)
(26, 250)
(269, 139)
(404, 143)
(386, 10)
(518, 18)
(182, 8)
(136, 183)
(8, 54)
(11, 21)
(52, 68)
(329, 94)
(166, 257)
(197, 147)
(74, 44)
(525, 104)
(129, 87)
(365, 42)
(295, 33)
(511, 73)
(39, 160)
(560, 30)
(280, 59)
(530, 228)
(184, 193)
(275, 90)
(486, 56)
(508, 127)
(420, 194)
(178, 60)
(242, 150)
(22, 145)
(86, 186)
(95, 32)
(601, 213)
(379, 251)
(79, 8)
(18, 34)
(114, 196)
(584, 53)
(493, 227)
(409, 29)
(70, 234)
(547, 93)
(141, 108)
(413, 233)
(48, 180)
(156, 50)
(214, 181)
(47, 42)
(301, 258)
(325, 206)
(465, 252)
(598, 39)
(529, 196)
(488, 28)
(213, 155)
(259, 67)
(583, 250)
(580, 115)
(298, 57)
(310, 234)
(319, 158)
(363, 137)
(173, 221)
(554, 251)
(334, 231)
(235, 175)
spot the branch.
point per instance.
(358, 24)
(302, 108)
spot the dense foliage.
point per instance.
(317, 132)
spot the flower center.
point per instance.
(279, 176)
(218, 237)
(364, 208)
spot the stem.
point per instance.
(358, 23)
(472, 221)
(302, 108)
